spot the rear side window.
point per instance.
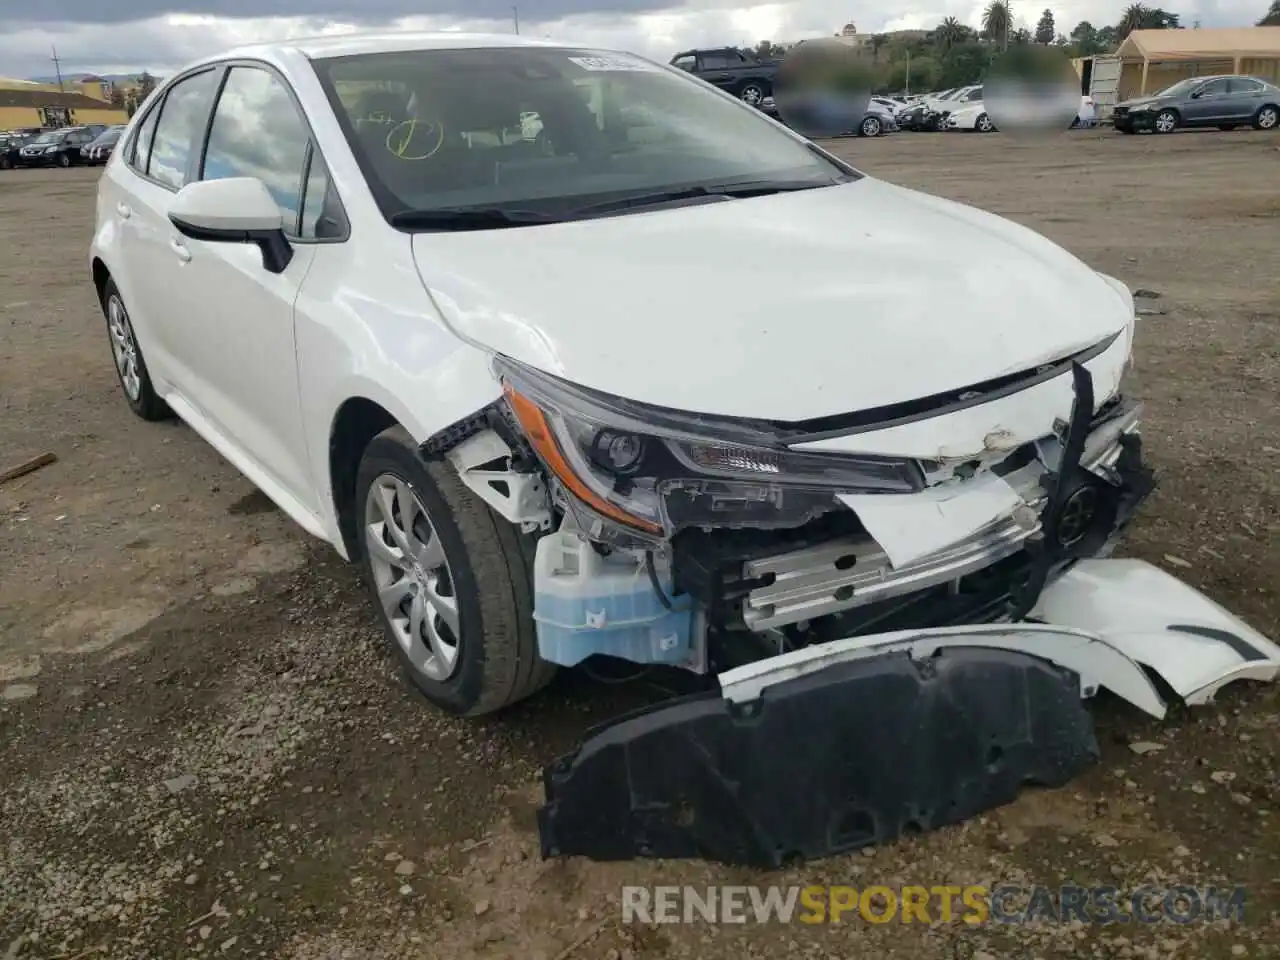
(140, 156)
(1242, 85)
(182, 118)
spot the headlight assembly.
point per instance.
(656, 471)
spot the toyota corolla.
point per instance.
(650, 385)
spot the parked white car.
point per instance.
(973, 116)
(651, 397)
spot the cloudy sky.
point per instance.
(125, 36)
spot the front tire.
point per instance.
(870, 127)
(1166, 121)
(1267, 118)
(984, 124)
(64, 160)
(752, 93)
(452, 582)
(131, 368)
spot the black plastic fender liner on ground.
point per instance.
(852, 755)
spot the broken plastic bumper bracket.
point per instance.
(842, 758)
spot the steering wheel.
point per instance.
(414, 139)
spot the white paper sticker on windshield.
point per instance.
(610, 63)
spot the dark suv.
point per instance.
(57, 147)
(1224, 102)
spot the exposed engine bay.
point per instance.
(967, 603)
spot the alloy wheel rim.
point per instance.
(1268, 118)
(124, 347)
(412, 575)
(1164, 123)
(872, 127)
(751, 95)
(984, 123)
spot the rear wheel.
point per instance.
(984, 124)
(64, 160)
(1267, 118)
(131, 368)
(752, 93)
(451, 580)
(1166, 121)
(870, 127)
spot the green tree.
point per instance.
(997, 21)
(1085, 39)
(1272, 17)
(1138, 16)
(1045, 29)
(146, 83)
(1021, 36)
(880, 40)
(951, 31)
(117, 97)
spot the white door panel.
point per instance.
(237, 317)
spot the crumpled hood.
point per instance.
(1138, 102)
(784, 307)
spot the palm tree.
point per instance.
(1272, 17)
(996, 21)
(951, 31)
(1136, 16)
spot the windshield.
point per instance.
(1181, 87)
(549, 130)
(52, 136)
(107, 137)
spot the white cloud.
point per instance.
(164, 43)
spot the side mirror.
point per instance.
(234, 210)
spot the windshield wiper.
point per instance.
(469, 218)
(758, 188)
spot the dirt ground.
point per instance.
(205, 751)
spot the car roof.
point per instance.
(351, 44)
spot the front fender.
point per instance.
(392, 349)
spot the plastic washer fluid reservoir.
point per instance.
(587, 604)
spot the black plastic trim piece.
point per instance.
(277, 252)
(939, 404)
(852, 755)
(1239, 644)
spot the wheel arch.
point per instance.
(364, 413)
(101, 274)
(356, 422)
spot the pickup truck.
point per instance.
(731, 70)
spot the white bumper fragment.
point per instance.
(1105, 620)
(1196, 646)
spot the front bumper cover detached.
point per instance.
(854, 742)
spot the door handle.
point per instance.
(179, 248)
(123, 210)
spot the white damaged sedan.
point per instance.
(578, 357)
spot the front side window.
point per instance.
(182, 117)
(550, 130)
(1214, 88)
(257, 132)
